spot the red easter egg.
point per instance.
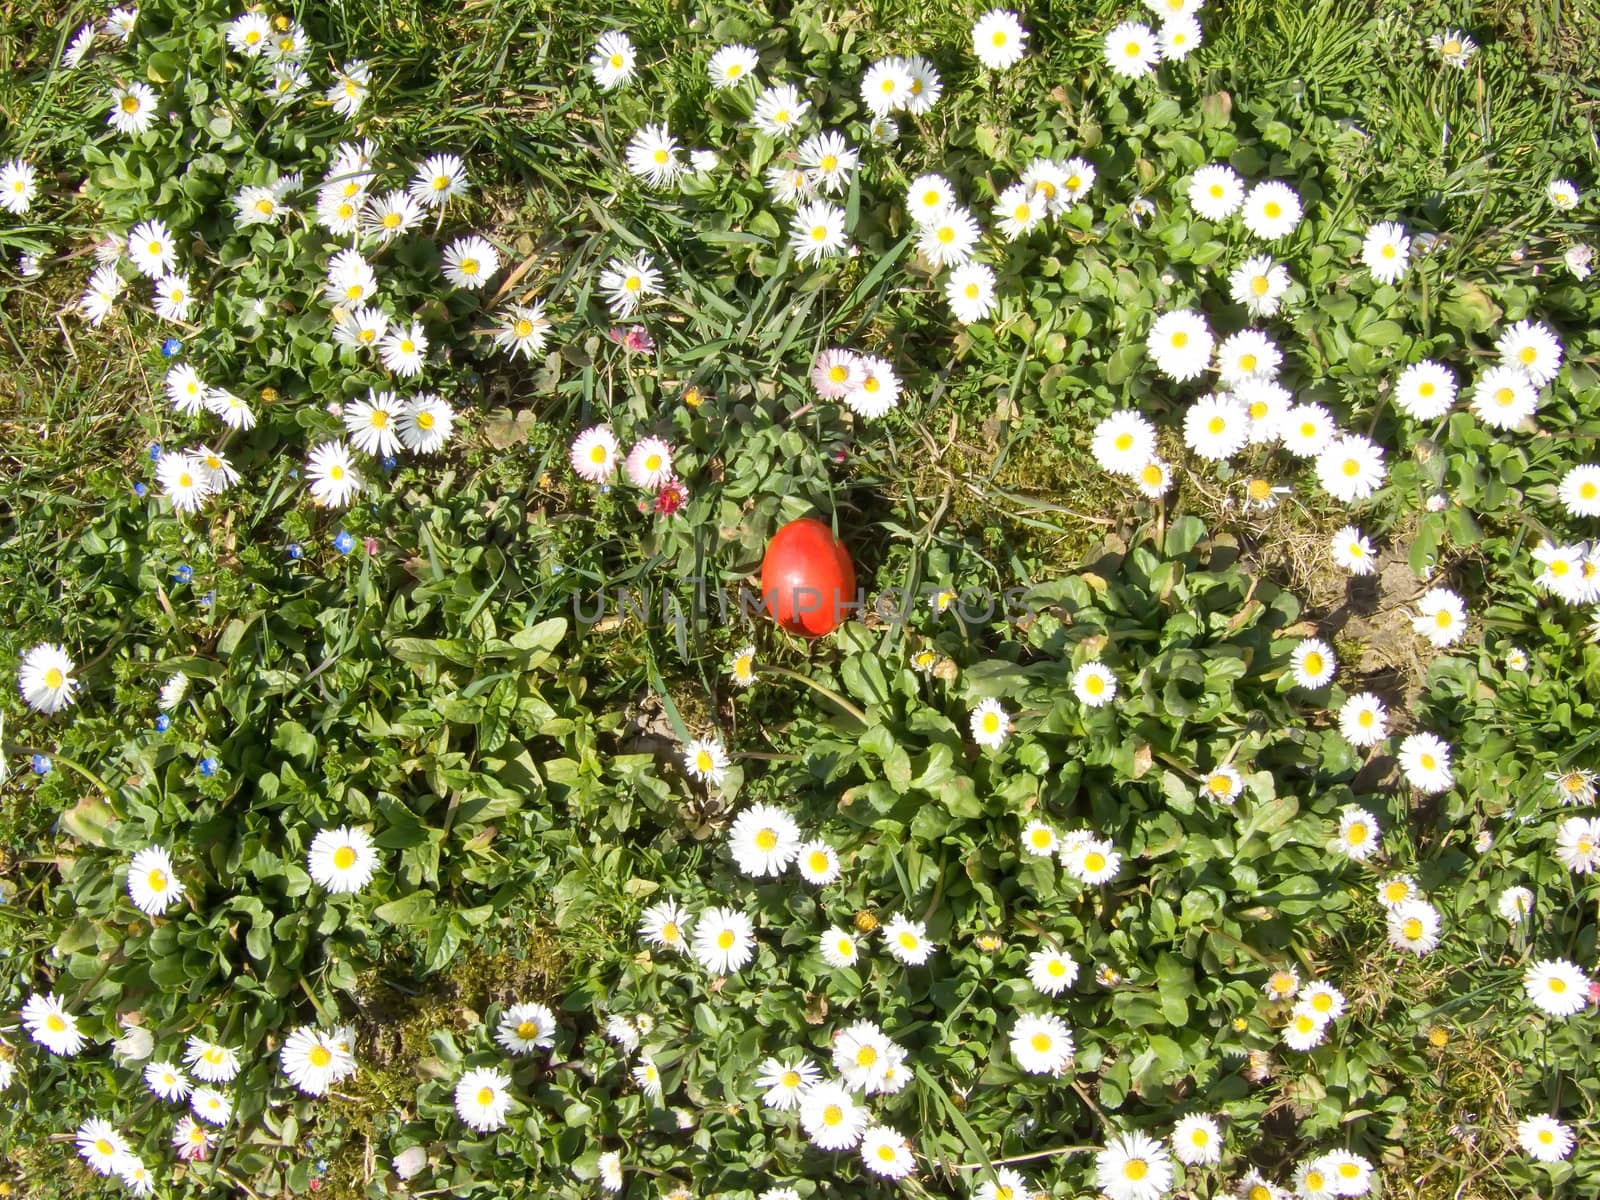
(807, 578)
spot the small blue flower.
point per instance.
(605, 489)
(184, 573)
(295, 552)
(155, 451)
(294, 472)
(556, 568)
(163, 723)
(344, 543)
(389, 462)
(208, 766)
(139, 490)
(41, 764)
(208, 599)
(171, 348)
(322, 1164)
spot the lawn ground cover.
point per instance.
(405, 794)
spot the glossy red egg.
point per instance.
(807, 579)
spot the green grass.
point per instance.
(987, 479)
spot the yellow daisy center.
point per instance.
(766, 839)
(319, 1056)
(1094, 861)
(527, 1031)
(1412, 929)
(725, 940)
(53, 678)
(1135, 1169)
(1272, 209)
(344, 858)
(1040, 1042)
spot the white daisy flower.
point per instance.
(724, 940)
(1258, 283)
(349, 89)
(1359, 834)
(470, 262)
(1090, 860)
(990, 724)
(969, 290)
(886, 1152)
(652, 155)
(524, 1028)
(1425, 759)
(152, 883)
(779, 111)
(1515, 904)
(1305, 1030)
(706, 760)
(1051, 971)
(483, 1096)
(1306, 430)
(1180, 343)
(1563, 195)
(1532, 348)
(425, 423)
(818, 863)
(438, 180)
(1133, 1166)
(388, 216)
(1350, 468)
(167, 1082)
(1215, 193)
(1544, 1139)
(830, 1118)
(663, 925)
(1271, 210)
(183, 481)
(372, 422)
(732, 66)
(628, 282)
(1312, 663)
(595, 457)
(907, 940)
(524, 331)
(1094, 684)
(1580, 491)
(44, 677)
(1504, 397)
(342, 860)
(817, 231)
(763, 840)
(1248, 354)
(50, 1025)
(1386, 251)
(612, 61)
(1123, 443)
(1039, 839)
(839, 948)
(350, 279)
(133, 108)
(210, 1061)
(829, 160)
(1578, 844)
(1180, 36)
(1441, 617)
(404, 349)
(928, 197)
(332, 475)
(1556, 987)
(1216, 427)
(949, 238)
(1197, 1140)
(999, 40)
(1425, 390)
(879, 391)
(1363, 721)
(1132, 50)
